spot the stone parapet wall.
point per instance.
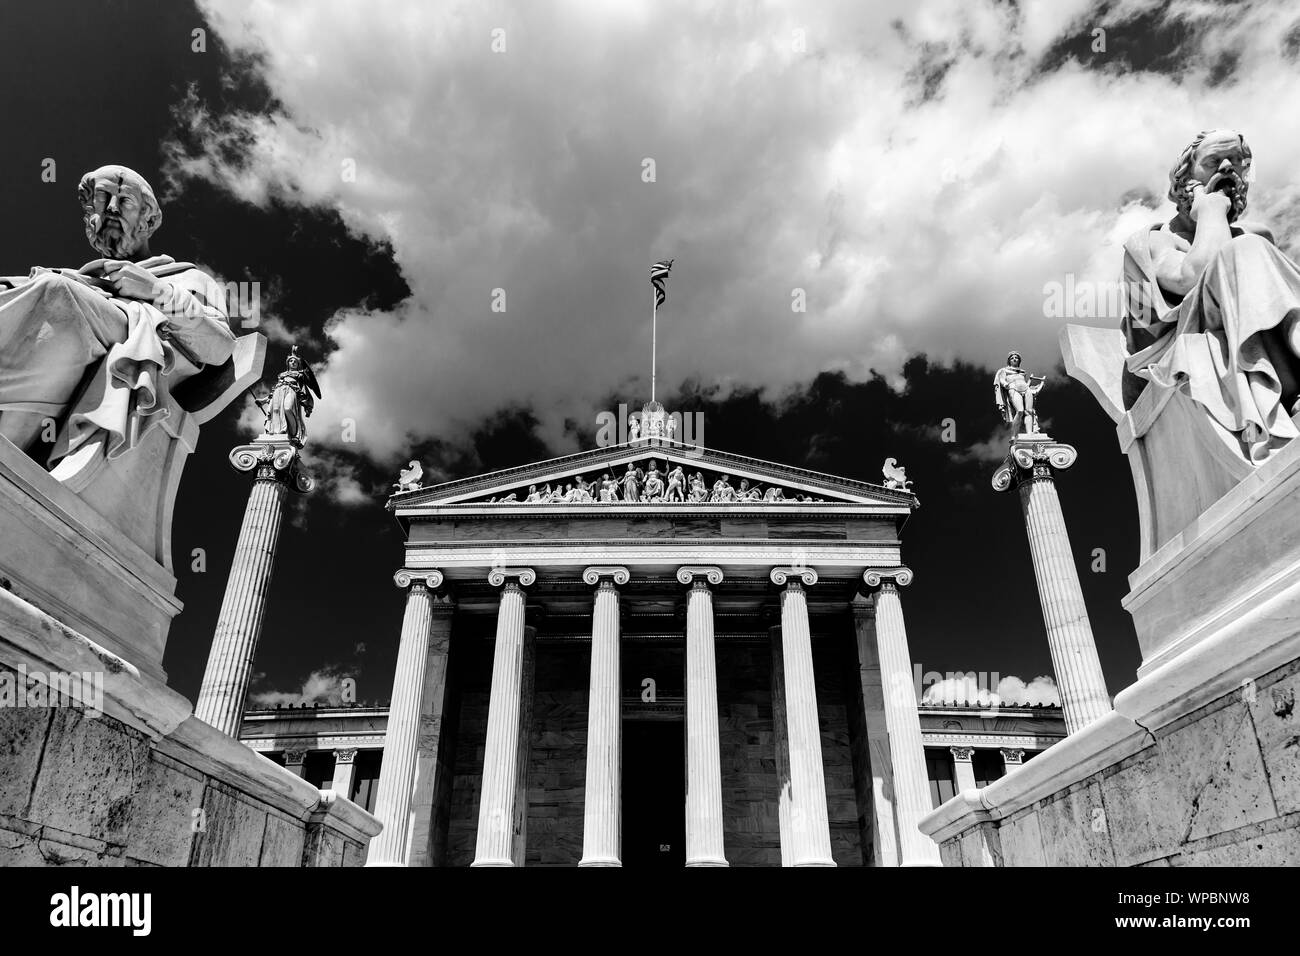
(134, 779)
(1219, 786)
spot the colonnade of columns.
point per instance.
(805, 827)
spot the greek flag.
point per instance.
(658, 273)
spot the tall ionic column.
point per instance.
(1030, 467)
(431, 790)
(906, 751)
(704, 843)
(498, 814)
(401, 740)
(239, 625)
(602, 810)
(810, 829)
(884, 828)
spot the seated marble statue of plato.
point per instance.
(95, 350)
(1212, 304)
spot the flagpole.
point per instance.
(654, 333)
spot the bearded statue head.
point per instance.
(120, 212)
(1219, 160)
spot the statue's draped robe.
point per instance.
(73, 349)
(1210, 342)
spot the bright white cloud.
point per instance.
(910, 225)
(973, 688)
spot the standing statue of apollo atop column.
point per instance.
(96, 349)
(1212, 304)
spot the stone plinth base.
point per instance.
(124, 775)
(1196, 764)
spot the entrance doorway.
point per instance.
(654, 794)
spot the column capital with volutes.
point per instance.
(1033, 460)
(793, 576)
(430, 578)
(896, 577)
(699, 575)
(523, 577)
(603, 574)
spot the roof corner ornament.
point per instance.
(895, 476)
(409, 478)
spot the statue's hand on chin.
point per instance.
(1213, 202)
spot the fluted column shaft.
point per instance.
(809, 821)
(884, 828)
(345, 772)
(239, 625)
(1069, 632)
(401, 739)
(963, 768)
(602, 812)
(497, 811)
(906, 750)
(704, 843)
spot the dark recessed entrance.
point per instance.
(654, 794)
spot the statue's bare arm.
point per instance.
(1178, 270)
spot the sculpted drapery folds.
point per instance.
(1212, 304)
(96, 349)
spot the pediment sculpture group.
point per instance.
(650, 485)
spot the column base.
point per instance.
(600, 861)
(817, 863)
(381, 863)
(491, 862)
(708, 861)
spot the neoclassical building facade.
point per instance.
(340, 747)
(653, 654)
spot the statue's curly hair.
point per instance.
(150, 216)
(1182, 169)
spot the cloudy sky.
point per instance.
(916, 172)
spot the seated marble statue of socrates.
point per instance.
(91, 353)
(1212, 306)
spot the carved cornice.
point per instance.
(878, 577)
(781, 576)
(430, 578)
(274, 461)
(705, 459)
(691, 572)
(593, 575)
(1031, 460)
(526, 576)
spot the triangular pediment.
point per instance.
(662, 473)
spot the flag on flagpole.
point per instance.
(658, 273)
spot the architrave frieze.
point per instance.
(712, 551)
